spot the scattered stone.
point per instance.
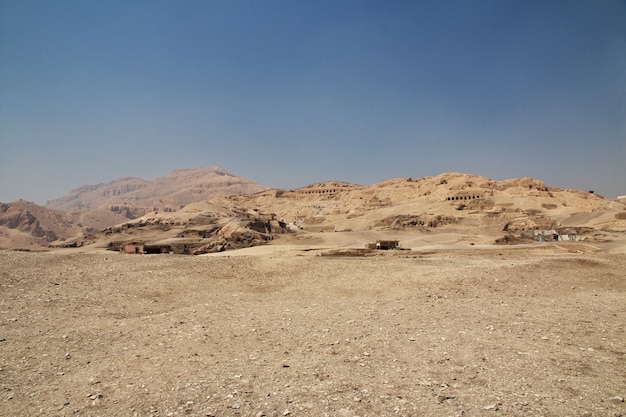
(158, 382)
(443, 398)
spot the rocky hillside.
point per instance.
(26, 225)
(133, 197)
(467, 206)
(448, 199)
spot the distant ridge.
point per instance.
(210, 209)
(468, 207)
(134, 196)
(26, 225)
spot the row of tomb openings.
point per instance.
(463, 197)
(320, 191)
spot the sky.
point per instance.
(289, 93)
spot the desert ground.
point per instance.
(314, 327)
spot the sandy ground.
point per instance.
(445, 329)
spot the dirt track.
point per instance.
(439, 333)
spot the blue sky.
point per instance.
(288, 93)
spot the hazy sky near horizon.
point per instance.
(288, 93)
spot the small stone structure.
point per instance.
(384, 245)
(551, 235)
(134, 249)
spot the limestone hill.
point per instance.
(450, 207)
(133, 197)
(25, 225)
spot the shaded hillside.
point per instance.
(26, 225)
(469, 206)
(133, 197)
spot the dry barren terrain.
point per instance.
(297, 330)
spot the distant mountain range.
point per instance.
(94, 207)
(134, 196)
(210, 209)
(464, 207)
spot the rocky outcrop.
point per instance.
(26, 222)
(41, 225)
